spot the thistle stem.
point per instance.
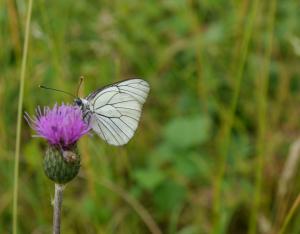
(58, 198)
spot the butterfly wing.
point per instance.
(116, 110)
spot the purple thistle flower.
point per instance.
(61, 126)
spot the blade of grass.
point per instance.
(285, 181)
(290, 215)
(14, 27)
(262, 93)
(140, 210)
(52, 40)
(230, 119)
(19, 118)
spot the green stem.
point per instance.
(290, 215)
(19, 119)
(263, 84)
(229, 122)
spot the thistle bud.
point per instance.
(62, 126)
(61, 166)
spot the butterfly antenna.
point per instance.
(80, 83)
(57, 90)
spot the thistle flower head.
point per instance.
(62, 125)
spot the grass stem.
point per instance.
(19, 119)
(262, 93)
(290, 215)
(141, 211)
(230, 119)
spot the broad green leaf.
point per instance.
(161, 154)
(184, 132)
(169, 195)
(149, 178)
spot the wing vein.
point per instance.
(111, 133)
(142, 90)
(114, 128)
(101, 131)
(115, 110)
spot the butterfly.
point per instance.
(114, 111)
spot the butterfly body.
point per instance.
(114, 111)
(85, 108)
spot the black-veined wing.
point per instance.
(116, 110)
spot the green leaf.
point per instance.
(194, 165)
(186, 166)
(169, 195)
(185, 132)
(163, 153)
(149, 178)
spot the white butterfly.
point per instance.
(114, 110)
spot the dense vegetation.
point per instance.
(217, 149)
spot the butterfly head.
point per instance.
(81, 102)
(78, 102)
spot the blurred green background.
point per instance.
(217, 148)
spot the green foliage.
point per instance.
(149, 178)
(187, 132)
(168, 196)
(190, 52)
